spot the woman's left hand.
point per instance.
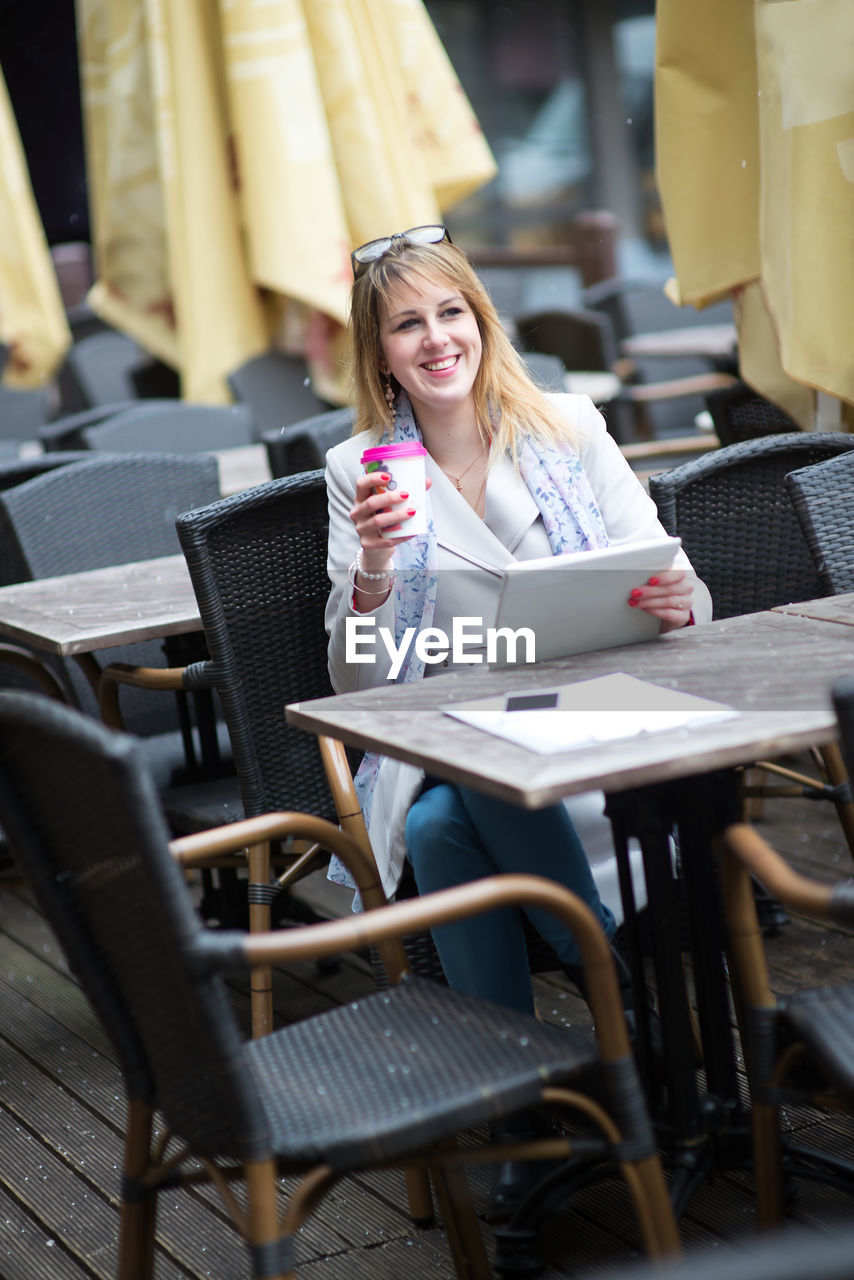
(667, 596)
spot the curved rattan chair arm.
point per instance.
(194, 849)
(794, 890)
(122, 673)
(448, 905)
(11, 655)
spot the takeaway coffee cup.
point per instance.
(404, 463)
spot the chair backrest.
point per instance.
(15, 471)
(823, 499)
(258, 565)
(635, 305)
(547, 371)
(172, 427)
(101, 366)
(740, 413)
(83, 820)
(67, 432)
(737, 524)
(302, 446)
(104, 511)
(22, 413)
(583, 340)
(276, 388)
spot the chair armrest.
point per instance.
(11, 655)
(798, 892)
(121, 673)
(200, 847)
(228, 950)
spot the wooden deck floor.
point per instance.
(62, 1111)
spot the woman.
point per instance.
(513, 474)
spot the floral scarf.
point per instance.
(571, 518)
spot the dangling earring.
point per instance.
(388, 392)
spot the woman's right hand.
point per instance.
(377, 508)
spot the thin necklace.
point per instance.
(458, 480)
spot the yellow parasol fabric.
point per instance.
(238, 151)
(32, 316)
(755, 156)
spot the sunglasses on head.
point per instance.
(360, 258)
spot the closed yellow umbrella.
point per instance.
(755, 155)
(338, 136)
(32, 316)
(169, 253)
(238, 151)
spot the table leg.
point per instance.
(702, 1130)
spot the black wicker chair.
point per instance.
(302, 446)
(165, 426)
(823, 498)
(258, 562)
(276, 388)
(738, 527)
(387, 1080)
(736, 523)
(740, 413)
(67, 432)
(798, 1048)
(103, 511)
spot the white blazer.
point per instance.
(477, 550)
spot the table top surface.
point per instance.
(84, 612)
(242, 467)
(826, 609)
(692, 340)
(775, 669)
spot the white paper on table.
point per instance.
(603, 709)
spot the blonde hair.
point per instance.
(508, 404)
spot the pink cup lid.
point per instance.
(403, 449)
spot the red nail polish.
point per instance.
(636, 593)
(653, 582)
(633, 604)
(411, 511)
(404, 495)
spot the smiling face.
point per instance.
(431, 344)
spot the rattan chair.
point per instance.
(740, 413)
(276, 388)
(388, 1080)
(101, 366)
(302, 446)
(104, 511)
(823, 499)
(165, 426)
(547, 371)
(67, 432)
(23, 413)
(731, 510)
(798, 1049)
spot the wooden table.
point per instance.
(78, 614)
(776, 670)
(826, 609)
(712, 340)
(84, 612)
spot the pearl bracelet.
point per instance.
(371, 577)
(387, 576)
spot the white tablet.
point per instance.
(577, 602)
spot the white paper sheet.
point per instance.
(604, 709)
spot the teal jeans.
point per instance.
(455, 835)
